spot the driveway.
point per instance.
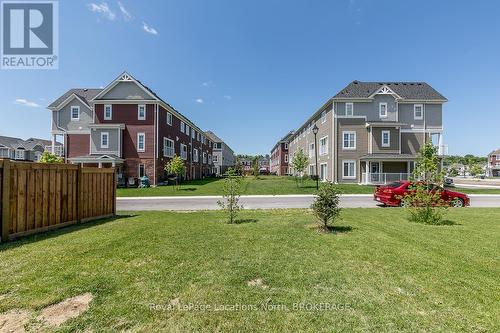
(267, 202)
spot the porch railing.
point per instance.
(383, 177)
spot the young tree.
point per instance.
(423, 200)
(299, 163)
(238, 167)
(326, 205)
(50, 158)
(475, 169)
(255, 166)
(176, 167)
(231, 189)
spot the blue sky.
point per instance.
(252, 70)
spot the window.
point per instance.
(187, 130)
(193, 134)
(349, 109)
(216, 158)
(169, 118)
(199, 136)
(183, 127)
(418, 111)
(184, 152)
(104, 140)
(386, 138)
(142, 171)
(209, 159)
(323, 116)
(312, 169)
(108, 112)
(323, 171)
(168, 147)
(286, 145)
(141, 145)
(349, 140)
(323, 146)
(382, 108)
(141, 112)
(349, 169)
(20, 154)
(286, 158)
(205, 158)
(311, 150)
(195, 155)
(75, 113)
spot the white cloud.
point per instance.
(25, 102)
(199, 100)
(102, 9)
(207, 83)
(228, 97)
(148, 29)
(126, 14)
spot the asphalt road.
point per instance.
(266, 202)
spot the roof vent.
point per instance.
(85, 89)
(355, 82)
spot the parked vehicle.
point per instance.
(391, 194)
(448, 182)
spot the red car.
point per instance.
(391, 194)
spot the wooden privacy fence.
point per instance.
(36, 197)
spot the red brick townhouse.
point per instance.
(127, 126)
(493, 167)
(279, 156)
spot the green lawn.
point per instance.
(377, 272)
(251, 186)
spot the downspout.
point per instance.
(334, 143)
(155, 138)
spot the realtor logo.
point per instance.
(29, 35)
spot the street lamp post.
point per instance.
(315, 131)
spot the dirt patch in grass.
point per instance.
(57, 314)
(257, 283)
(14, 321)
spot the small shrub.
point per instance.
(326, 205)
(231, 189)
(47, 157)
(176, 166)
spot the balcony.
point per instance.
(442, 150)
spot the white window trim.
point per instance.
(343, 169)
(110, 112)
(388, 144)
(323, 116)
(343, 140)
(196, 156)
(169, 118)
(183, 127)
(326, 171)
(352, 109)
(326, 146)
(139, 170)
(313, 151)
(286, 145)
(165, 140)
(143, 141)
(107, 135)
(182, 151)
(71, 110)
(139, 112)
(421, 111)
(286, 158)
(380, 110)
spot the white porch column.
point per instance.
(53, 148)
(100, 165)
(113, 164)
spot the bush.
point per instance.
(47, 157)
(326, 205)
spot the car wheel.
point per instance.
(403, 204)
(457, 202)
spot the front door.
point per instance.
(375, 172)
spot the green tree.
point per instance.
(423, 200)
(176, 166)
(47, 157)
(255, 166)
(231, 191)
(475, 169)
(299, 164)
(326, 205)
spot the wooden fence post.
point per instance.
(79, 194)
(114, 192)
(5, 200)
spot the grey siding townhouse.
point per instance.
(370, 132)
(26, 150)
(223, 156)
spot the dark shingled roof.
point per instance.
(85, 94)
(286, 138)
(407, 90)
(495, 152)
(211, 135)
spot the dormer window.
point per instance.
(349, 109)
(418, 111)
(75, 113)
(169, 118)
(108, 112)
(141, 112)
(382, 108)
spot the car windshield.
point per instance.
(394, 185)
